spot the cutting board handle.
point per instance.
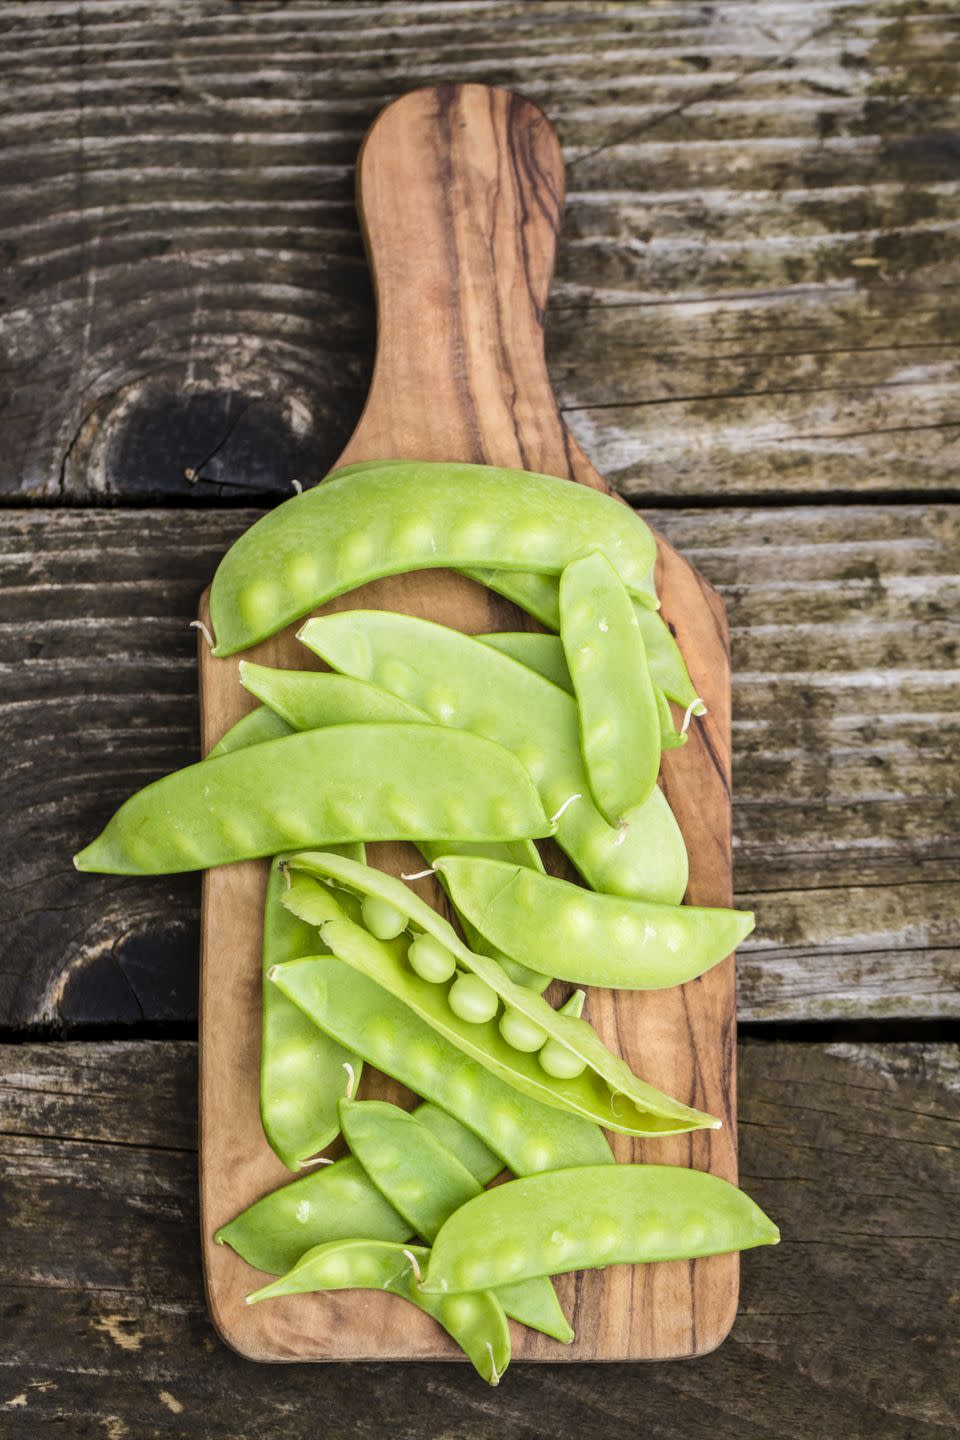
(460, 191)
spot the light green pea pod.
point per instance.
(468, 686)
(619, 721)
(366, 1018)
(539, 595)
(413, 515)
(592, 939)
(340, 1202)
(301, 1068)
(544, 653)
(600, 1086)
(585, 1219)
(426, 1182)
(309, 699)
(476, 1322)
(334, 786)
(253, 729)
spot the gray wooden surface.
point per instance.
(754, 332)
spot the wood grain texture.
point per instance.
(844, 752)
(460, 191)
(756, 289)
(846, 1328)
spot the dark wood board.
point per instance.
(460, 190)
(847, 1328)
(756, 296)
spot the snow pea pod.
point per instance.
(539, 595)
(607, 660)
(253, 729)
(587, 1218)
(331, 786)
(363, 1016)
(413, 515)
(469, 686)
(340, 1202)
(544, 653)
(425, 1182)
(596, 1084)
(479, 1327)
(309, 699)
(587, 938)
(301, 1068)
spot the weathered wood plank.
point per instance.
(845, 815)
(754, 290)
(844, 1329)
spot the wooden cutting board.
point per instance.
(460, 190)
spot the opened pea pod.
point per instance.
(342, 785)
(476, 1322)
(384, 518)
(508, 1028)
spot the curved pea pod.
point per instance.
(585, 1219)
(301, 1068)
(253, 729)
(539, 595)
(412, 515)
(544, 653)
(340, 1202)
(601, 1086)
(468, 686)
(365, 1017)
(309, 699)
(479, 1327)
(425, 1182)
(330, 786)
(619, 721)
(591, 939)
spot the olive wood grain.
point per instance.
(460, 192)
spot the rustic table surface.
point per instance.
(753, 332)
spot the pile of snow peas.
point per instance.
(473, 748)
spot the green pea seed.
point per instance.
(560, 1062)
(520, 1032)
(431, 960)
(381, 919)
(472, 999)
